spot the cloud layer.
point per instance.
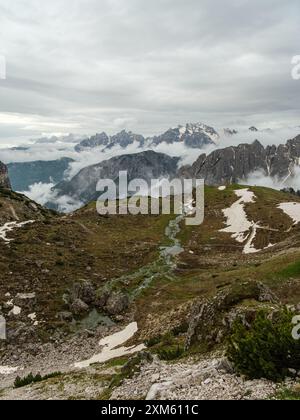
(88, 65)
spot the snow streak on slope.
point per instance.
(111, 347)
(8, 227)
(292, 210)
(243, 230)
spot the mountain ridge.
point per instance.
(193, 135)
(235, 163)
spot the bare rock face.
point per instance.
(117, 303)
(78, 307)
(235, 164)
(145, 165)
(4, 180)
(84, 291)
(193, 136)
(98, 140)
(211, 320)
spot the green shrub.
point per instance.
(287, 394)
(170, 353)
(180, 329)
(30, 379)
(153, 341)
(266, 349)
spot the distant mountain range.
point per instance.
(191, 135)
(24, 174)
(222, 166)
(233, 164)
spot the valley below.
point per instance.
(128, 307)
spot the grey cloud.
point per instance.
(91, 65)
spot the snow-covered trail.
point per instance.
(10, 226)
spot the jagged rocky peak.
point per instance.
(254, 129)
(235, 164)
(101, 139)
(125, 138)
(230, 132)
(195, 135)
(192, 135)
(4, 179)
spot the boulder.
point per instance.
(84, 291)
(117, 303)
(211, 320)
(78, 307)
(65, 316)
(101, 298)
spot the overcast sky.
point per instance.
(83, 66)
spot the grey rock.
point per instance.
(65, 316)
(147, 165)
(83, 290)
(235, 164)
(192, 135)
(212, 319)
(117, 303)
(101, 298)
(78, 307)
(101, 139)
(4, 180)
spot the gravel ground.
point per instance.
(211, 379)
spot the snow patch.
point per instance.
(7, 370)
(111, 348)
(243, 230)
(10, 226)
(32, 316)
(292, 210)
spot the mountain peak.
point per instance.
(194, 135)
(97, 140)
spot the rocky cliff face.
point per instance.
(101, 139)
(146, 165)
(192, 135)
(234, 164)
(4, 180)
(122, 139)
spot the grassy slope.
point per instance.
(217, 259)
(50, 255)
